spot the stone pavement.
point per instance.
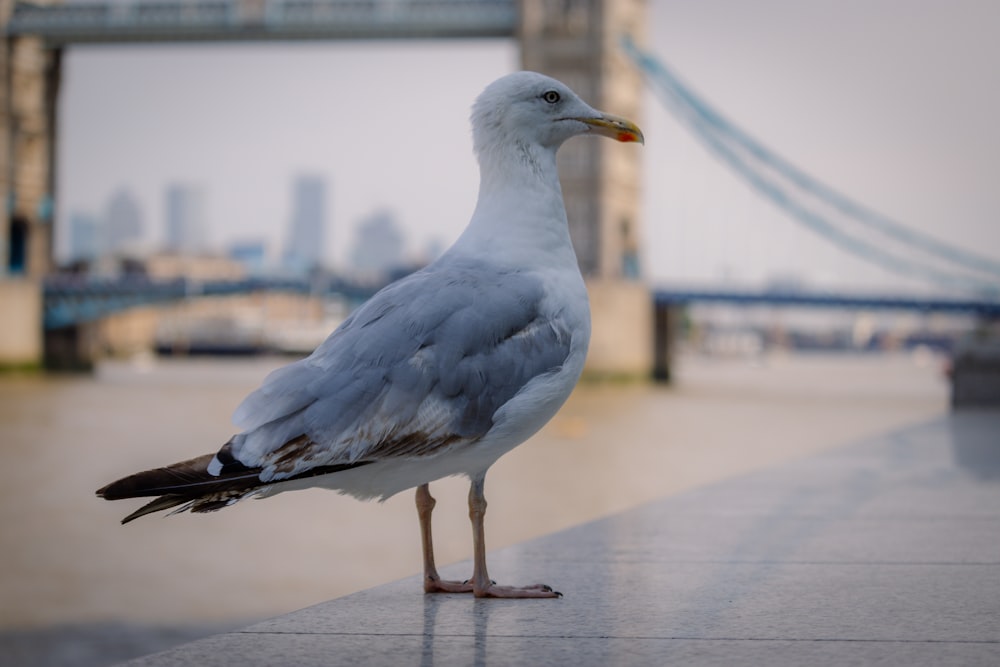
(885, 551)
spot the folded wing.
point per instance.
(413, 372)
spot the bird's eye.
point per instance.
(551, 96)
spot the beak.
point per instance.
(615, 127)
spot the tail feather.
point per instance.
(161, 503)
(186, 478)
(189, 485)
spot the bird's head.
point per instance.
(526, 108)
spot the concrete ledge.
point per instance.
(881, 552)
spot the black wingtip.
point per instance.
(190, 482)
(161, 481)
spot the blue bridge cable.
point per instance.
(779, 196)
(708, 123)
(662, 76)
(824, 227)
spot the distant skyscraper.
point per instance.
(86, 237)
(379, 245)
(123, 222)
(187, 226)
(304, 247)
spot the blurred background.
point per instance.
(199, 192)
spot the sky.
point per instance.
(893, 102)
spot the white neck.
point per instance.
(520, 218)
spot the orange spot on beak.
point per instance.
(614, 127)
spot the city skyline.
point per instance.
(377, 245)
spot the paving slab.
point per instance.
(881, 552)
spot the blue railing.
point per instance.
(983, 307)
(70, 300)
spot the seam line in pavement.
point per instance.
(629, 637)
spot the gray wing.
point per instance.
(425, 363)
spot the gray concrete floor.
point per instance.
(886, 551)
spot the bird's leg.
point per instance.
(433, 583)
(482, 586)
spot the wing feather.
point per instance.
(417, 367)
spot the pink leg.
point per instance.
(432, 582)
(482, 586)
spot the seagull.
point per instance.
(441, 372)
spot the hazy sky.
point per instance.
(894, 102)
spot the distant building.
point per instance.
(378, 248)
(167, 266)
(86, 237)
(251, 254)
(123, 226)
(306, 232)
(187, 224)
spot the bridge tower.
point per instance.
(29, 83)
(29, 78)
(578, 42)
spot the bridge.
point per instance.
(36, 34)
(601, 240)
(71, 300)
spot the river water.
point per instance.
(66, 559)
